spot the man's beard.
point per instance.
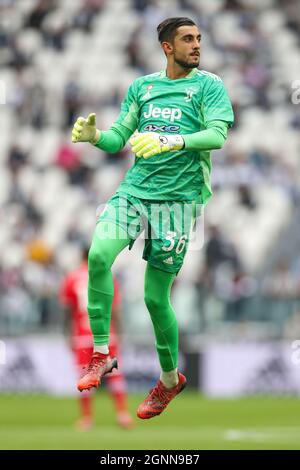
(186, 65)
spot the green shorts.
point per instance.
(166, 227)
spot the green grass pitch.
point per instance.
(190, 422)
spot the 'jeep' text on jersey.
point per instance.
(154, 103)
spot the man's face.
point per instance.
(186, 46)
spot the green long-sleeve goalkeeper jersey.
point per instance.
(198, 108)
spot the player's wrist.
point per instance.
(95, 139)
(171, 142)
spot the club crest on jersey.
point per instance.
(189, 94)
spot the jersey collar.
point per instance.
(163, 74)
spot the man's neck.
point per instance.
(175, 71)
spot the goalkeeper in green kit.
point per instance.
(172, 119)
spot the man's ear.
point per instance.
(167, 47)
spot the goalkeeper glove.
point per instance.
(85, 130)
(150, 143)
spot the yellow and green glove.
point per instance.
(147, 144)
(85, 130)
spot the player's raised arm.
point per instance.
(114, 139)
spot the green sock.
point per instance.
(157, 298)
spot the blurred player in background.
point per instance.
(177, 117)
(73, 296)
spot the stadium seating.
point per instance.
(60, 68)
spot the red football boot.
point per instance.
(100, 364)
(159, 398)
